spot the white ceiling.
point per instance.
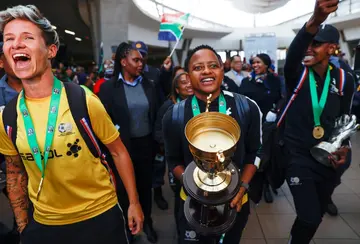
(258, 6)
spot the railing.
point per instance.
(156, 9)
(346, 7)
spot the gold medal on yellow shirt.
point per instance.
(39, 188)
(318, 132)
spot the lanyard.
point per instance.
(318, 106)
(30, 129)
(178, 100)
(196, 108)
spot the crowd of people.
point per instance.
(85, 153)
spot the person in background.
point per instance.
(236, 73)
(228, 84)
(180, 89)
(160, 77)
(264, 88)
(108, 73)
(132, 103)
(227, 65)
(69, 75)
(272, 70)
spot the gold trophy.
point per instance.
(211, 180)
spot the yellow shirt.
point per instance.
(77, 186)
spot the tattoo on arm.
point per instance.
(16, 184)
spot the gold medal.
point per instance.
(39, 189)
(318, 132)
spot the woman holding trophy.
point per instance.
(311, 126)
(192, 136)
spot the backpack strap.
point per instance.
(242, 107)
(10, 120)
(178, 116)
(294, 95)
(77, 103)
(341, 81)
(76, 96)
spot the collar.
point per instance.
(236, 73)
(134, 83)
(146, 68)
(3, 82)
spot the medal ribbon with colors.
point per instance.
(318, 106)
(50, 129)
(196, 108)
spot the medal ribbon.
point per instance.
(50, 129)
(196, 108)
(318, 106)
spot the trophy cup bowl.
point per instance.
(212, 137)
(211, 180)
(344, 128)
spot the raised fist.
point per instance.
(322, 10)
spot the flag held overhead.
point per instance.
(172, 26)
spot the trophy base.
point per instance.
(207, 220)
(322, 151)
(211, 198)
(215, 183)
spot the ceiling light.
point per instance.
(78, 39)
(70, 32)
(54, 27)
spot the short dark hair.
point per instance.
(122, 52)
(201, 47)
(233, 57)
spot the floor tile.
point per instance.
(347, 203)
(285, 188)
(343, 189)
(353, 220)
(280, 241)
(252, 241)
(253, 229)
(165, 225)
(276, 225)
(280, 206)
(335, 227)
(352, 174)
(354, 185)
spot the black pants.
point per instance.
(311, 191)
(159, 168)
(233, 236)
(106, 228)
(142, 155)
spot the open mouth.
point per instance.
(22, 60)
(308, 58)
(207, 81)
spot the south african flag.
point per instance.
(172, 26)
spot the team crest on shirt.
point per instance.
(65, 129)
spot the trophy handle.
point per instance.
(220, 156)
